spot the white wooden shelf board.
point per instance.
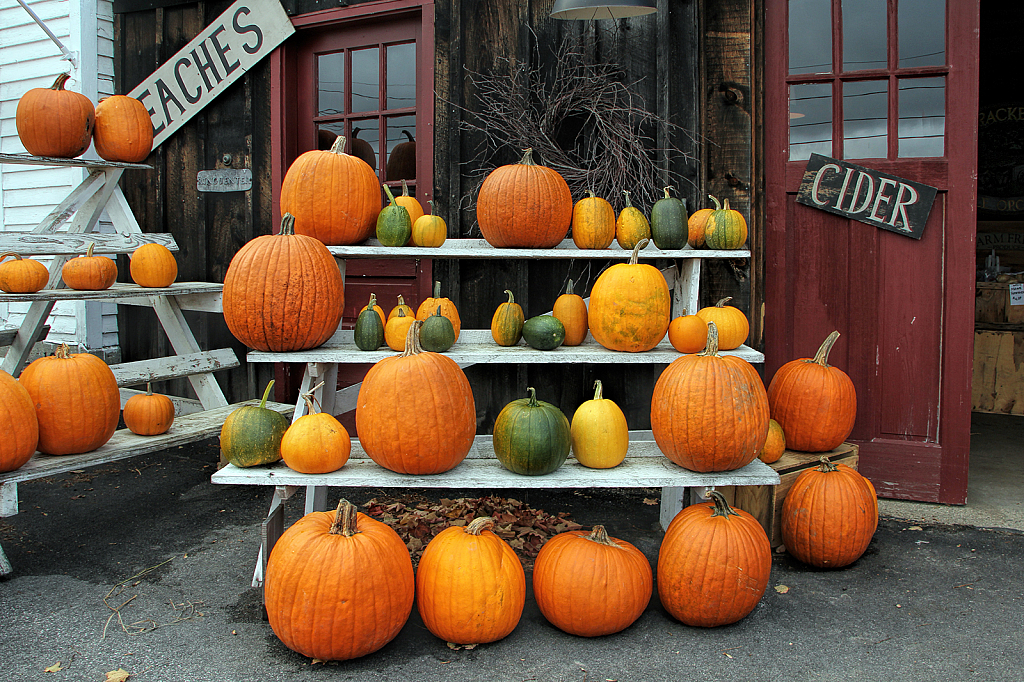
(27, 244)
(29, 160)
(119, 293)
(480, 249)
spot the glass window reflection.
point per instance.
(922, 123)
(810, 120)
(365, 80)
(922, 33)
(401, 76)
(330, 69)
(401, 148)
(865, 116)
(864, 26)
(365, 141)
(810, 36)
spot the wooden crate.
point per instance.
(992, 304)
(997, 381)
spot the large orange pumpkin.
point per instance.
(283, 292)
(829, 515)
(77, 401)
(123, 129)
(335, 197)
(814, 402)
(713, 565)
(524, 205)
(630, 306)
(415, 412)
(54, 121)
(339, 585)
(709, 412)
(18, 423)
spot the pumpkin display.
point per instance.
(431, 395)
(54, 121)
(123, 130)
(448, 309)
(630, 306)
(774, 443)
(668, 222)
(429, 230)
(688, 333)
(470, 585)
(396, 330)
(360, 148)
(593, 223)
(153, 265)
(409, 203)
(814, 402)
(543, 332)
(507, 322)
(316, 442)
(632, 226)
(571, 311)
(599, 433)
(283, 292)
(77, 402)
(357, 599)
(829, 515)
(531, 437)
(89, 272)
(369, 330)
(733, 326)
(394, 224)
(696, 224)
(402, 161)
(251, 435)
(334, 196)
(725, 228)
(591, 584)
(709, 412)
(376, 308)
(18, 422)
(148, 414)
(524, 205)
(22, 275)
(401, 307)
(437, 333)
(713, 565)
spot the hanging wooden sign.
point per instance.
(866, 195)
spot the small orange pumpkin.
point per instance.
(397, 329)
(148, 414)
(316, 442)
(22, 275)
(688, 333)
(507, 322)
(429, 230)
(632, 225)
(18, 424)
(89, 272)
(448, 309)
(410, 203)
(153, 265)
(774, 444)
(401, 306)
(376, 307)
(54, 121)
(733, 327)
(571, 311)
(123, 129)
(593, 223)
(696, 224)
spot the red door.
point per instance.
(890, 85)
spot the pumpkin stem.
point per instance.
(718, 204)
(826, 464)
(591, 193)
(510, 299)
(339, 144)
(479, 525)
(712, 347)
(62, 352)
(721, 304)
(568, 288)
(725, 204)
(309, 398)
(437, 289)
(61, 80)
(533, 396)
(9, 253)
(598, 392)
(401, 313)
(438, 313)
(722, 507)
(431, 202)
(528, 157)
(373, 302)
(149, 388)
(405, 188)
(88, 251)
(287, 224)
(412, 340)
(628, 205)
(266, 393)
(636, 250)
(667, 195)
(391, 197)
(409, 135)
(345, 519)
(821, 357)
(401, 300)
(600, 536)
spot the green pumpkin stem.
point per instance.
(438, 313)
(667, 195)
(309, 398)
(511, 300)
(373, 302)
(826, 464)
(345, 519)
(88, 251)
(401, 313)
(635, 256)
(722, 507)
(61, 80)
(533, 396)
(628, 205)
(287, 224)
(568, 288)
(437, 288)
(821, 357)
(528, 157)
(432, 208)
(9, 253)
(591, 193)
(479, 525)
(391, 197)
(598, 390)
(599, 535)
(405, 188)
(339, 144)
(718, 204)
(712, 347)
(266, 393)
(149, 388)
(412, 340)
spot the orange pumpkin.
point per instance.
(54, 121)
(401, 307)
(316, 442)
(629, 306)
(448, 309)
(22, 275)
(409, 203)
(524, 205)
(397, 329)
(571, 311)
(153, 265)
(593, 223)
(696, 224)
(733, 327)
(148, 414)
(507, 322)
(18, 423)
(123, 129)
(429, 230)
(632, 225)
(815, 403)
(89, 272)
(774, 444)
(334, 196)
(688, 333)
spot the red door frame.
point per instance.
(935, 468)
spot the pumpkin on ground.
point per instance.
(632, 226)
(713, 565)
(543, 332)
(415, 412)
(89, 272)
(123, 130)
(22, 275)
(394, 224)
(774, 444)
(668, 222)
(524, 205)
(829, 515)
(429, 230)
(688, 333)
(814, 402)
(148, 414)
(507, 322)
(733, 326)
(725, 229)
(593, 223)
(599, 433)
(697, 223)
(709, 412)
(153, 265)
(448, 309)
(316, 442)
(629, 306)
(437, 333)
(571, 311)
(18, 422)
(283, 292)
(334, 196)
(369, 330)
(55, 122)
(77, 402)
(531, 436)
(470, 585)
(397, 329)
(358, 597)
(591, 584)
(251, 435)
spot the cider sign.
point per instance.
(866, 195)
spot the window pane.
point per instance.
(810, 120)
(330, 83)
(865, 112)
(365, 80)
(401, 76)
(365, 141)
(327, 133)
(401, 148)
(922, 117)
(922, 30)
(864, 34)
(810, 36)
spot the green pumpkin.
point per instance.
(369, 331)
(394, 224)
(437, 333)
(544, 332)
(668, 222)
(531, 436)
(251, 435)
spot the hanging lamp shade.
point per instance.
(601, 9)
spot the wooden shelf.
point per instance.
(118, 292)
(480, 249)
(99, 164)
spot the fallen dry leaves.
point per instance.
(119, 675)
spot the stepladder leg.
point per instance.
(271, 530)
(5, 564)
(672, 502)
(316, 498)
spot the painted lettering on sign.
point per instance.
(866, 195)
